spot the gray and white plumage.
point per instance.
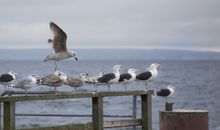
(59, 45)
(8, 79)
(128, 77)
(55, 80)
(76, 82)
(93, 79)
(26, 83)
(166, 92)
(150, 75)
(111, 78)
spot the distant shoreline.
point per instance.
(113, 54)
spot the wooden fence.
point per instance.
(97, 110)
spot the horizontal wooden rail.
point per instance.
(71, 115)
(86, 126)
(72, 95)
(89, 126)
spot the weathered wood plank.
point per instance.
(122, 123)
(9, 116)
(86, 126)
(97, 113)
(146, 111)
(71, 95)
(89, 126)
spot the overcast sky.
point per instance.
(179, 24)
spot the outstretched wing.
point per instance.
(59, 40)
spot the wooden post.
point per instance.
(134, 112)
(146, 111)
(9, 116)
(0, 116)
(97, 113)
(184, 120)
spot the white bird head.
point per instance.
(12, 73)
(73, 54)
(116, 68)
(154, 66)
(61, 75)
(132, 70)
(83, 75)
(171, 87)
(101, 74)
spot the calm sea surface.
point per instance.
(197, 87)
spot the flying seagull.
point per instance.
(166, 92)
(59, 45)
(8, 79)
(26, 83)
(150, 75)
(128, 77)
(110, 78)
(76, 82)
(54, 80)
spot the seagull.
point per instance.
(26, 83)
(110, 77)
(94, 79)
(150, 75)
(76, 82)
(128, 77)
(8, 79)
(166, 92)
(55, 80)
(59, 46)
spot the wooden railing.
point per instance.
(97, 110)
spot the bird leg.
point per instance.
(147, 86)
(6, 89)
(109, 87)
(55, 64)
(26, 92)
(94, 88)
(125, 87)
(74, 90)
(166, 99)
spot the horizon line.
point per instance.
(120, 48)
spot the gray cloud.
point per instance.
(189, 24)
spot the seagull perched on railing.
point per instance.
(93, 79)
(150, 75)
(26, 83)
(166, 92)
(8, 79)
(59, 45)
(128, 77)
(110, 78)
(76, 82)
(55, 80)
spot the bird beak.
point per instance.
(136, 70)
(158, 65)
(76, 58)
